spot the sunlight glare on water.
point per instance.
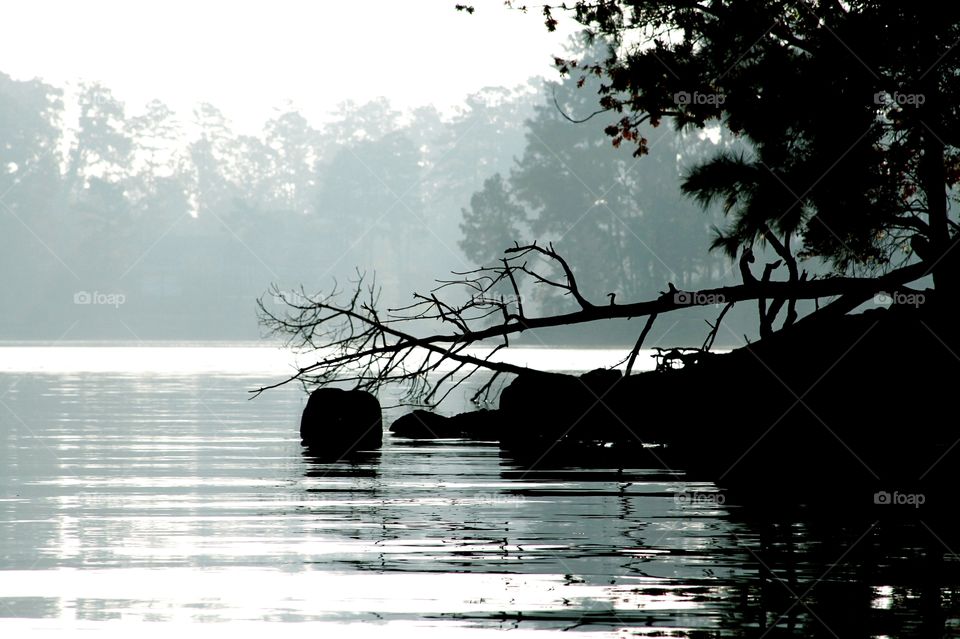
(249, 359)
(163, 494)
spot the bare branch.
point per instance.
(570, 286)
(639, 344)
(560, 110)
(359, 345)
(708, 342)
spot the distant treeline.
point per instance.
(148, 225)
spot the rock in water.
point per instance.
(337, 422)
(562, 406)
(422, 424)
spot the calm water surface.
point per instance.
(142, 485)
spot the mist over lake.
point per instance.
(163, 495)
(628, 318)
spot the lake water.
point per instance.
(140, 484)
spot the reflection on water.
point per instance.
(260, 358)
(172, 498)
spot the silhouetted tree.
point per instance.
(296, 149)
(617, 220)
(31, 200)
(483, 137)
(370, 206)
(848, 113)
(492, 222)
(213, 163)
(352, 122)
(850, 110)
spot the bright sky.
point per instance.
(249, 57)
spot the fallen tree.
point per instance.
(850, 155)
(370, 347)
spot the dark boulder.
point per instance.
(338, 422)
(847, 404)
(422, 424)
(481, 424)
(558, 407)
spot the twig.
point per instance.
(712, 335)
(636, 347)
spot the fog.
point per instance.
(157, 181)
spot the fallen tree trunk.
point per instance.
(371, 351)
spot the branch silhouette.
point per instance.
(359, 345)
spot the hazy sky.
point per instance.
(249, 57)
